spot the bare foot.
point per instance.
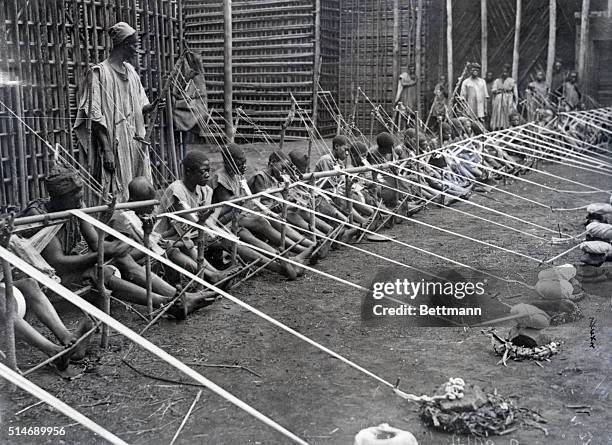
(78, 353)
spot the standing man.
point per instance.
(489, 79)
(115, 101)
(571, 94)
(505, 97)
(406, 97)
(558, 77)
(474, 92)
(536, 95)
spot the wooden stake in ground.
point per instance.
(517, 41)
(552, 42)
(227, 70)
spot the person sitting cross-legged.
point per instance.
(66, 193)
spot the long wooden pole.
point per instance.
(417, 55)
(396, 40)
(316, 74)
(584, 38)
(449, 41)
(227, 70)
(552, 42)
(517, 40)
(484, 38)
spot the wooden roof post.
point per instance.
(552, 42)
(449, 41)
(517, 41)
(227, 70)
(584, 39)
(484, 38)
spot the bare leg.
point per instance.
(292, 234)
(260, 226)
(134, 273)
(246, 236)
(39, 305)
(284, 268)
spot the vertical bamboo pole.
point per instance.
(517, 41)
(169, 119)
(396, 41)
(21, 173)
(147, 226)
(584, 39)
(417, 57)
(30, 106)
(9, 312)
(347, 192)
(316, 72)
(227, 70)
(449, 42)
(484, 37)
(313, 206)
(104, 295)
(235, 232)
(9, 197)
(552, 42)
(285, 194)
(161, 65)
(42, 55)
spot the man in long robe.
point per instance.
(115, 102)
(474, 92)
(505, 96)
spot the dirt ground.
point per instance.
(323, 400)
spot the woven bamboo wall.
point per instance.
(366, 55)
(273, 57)
(48, 48)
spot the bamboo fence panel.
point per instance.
(46, 48)
(367, 56)
(272, 58)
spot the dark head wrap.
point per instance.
(119, 32)
(62, 181)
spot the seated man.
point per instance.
(385, 151)
(196, 170)
(28, 297)
(279, 166)
(254, 229)
(180, 250)
(336, 160)
(65, 193)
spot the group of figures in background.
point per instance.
(494, 102)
